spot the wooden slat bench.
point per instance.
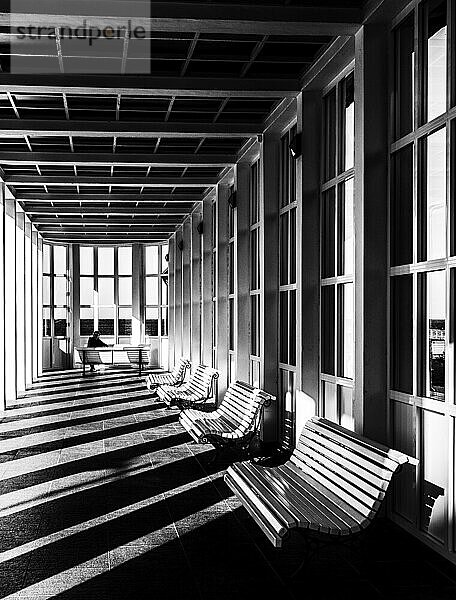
(176, 377)
(333, 485)
(201, 386)
(234, 423)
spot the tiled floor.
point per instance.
(103, 497)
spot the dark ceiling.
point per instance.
(97, 162)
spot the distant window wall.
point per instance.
(156, 297)
(106, 293)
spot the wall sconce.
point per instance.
(200, 228)
(232, 200)
(296, 146)
(180, 245)
(167, 257)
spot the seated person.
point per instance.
(95, 342)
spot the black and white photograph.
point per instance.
(227, 300)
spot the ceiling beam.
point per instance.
(102, 210)
(110, 231)
(99, 159)
(144, 85)
(21, 127)
(117, 239)
(191, 17)
(158, 182)
(46, 220)
(103, 198)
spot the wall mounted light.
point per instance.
(296, 146)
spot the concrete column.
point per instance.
(28, 302)
(371, 221)
(40, 304)
(269, 276)
(196, 241)
(178, 295)
(138, 299)
(36, 317)
(171, 286)
(186, 288)
(243, 271)
(10, 299)
(207, 324)
(222, 287)
(75, 298)
(308, 228)
(20, 301)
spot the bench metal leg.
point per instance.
(83, 364)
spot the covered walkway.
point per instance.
(103, 496)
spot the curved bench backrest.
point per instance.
(180, 368)
(201, 382)
(354, 468)
(134, 353)
(90, 357)
(242, 404)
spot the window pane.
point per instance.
(164, 258)
(231, 323)
(125, 293)
(86, 325)
(164, 321)
(346, 408)
(164, 298)
(435, 334)
(402, 207)
(330, 135)
(152, 321)
(151, 260)
(254, 206)
(86, 260)
(124, 260)
(46, 289)
(327, 328)
(284, 170)
(106, 290)
(292, 329)
(232, 268)
(293, 245)
(436, 59)
(284, 248)
(46, 322)
(60, 291)
(46, 258)
(346, 239)
(60, 260)
(402, 334)
(283, 327)
(347, 330)
(106, 317)
(254, 271)
(330, 402)
(436, 195)
(404, 77)
(151, 290)
(105, 261)
(60, 322)
(86, 290)
(125, 316)
(349, 128)
(329, 237)
(254, 349)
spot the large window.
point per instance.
(214, 283)
(422, 262)
(156, 269)
(255, 280)
(232, 279)
(287, 287)
(337, 259)
(55, 291)
(106, 292)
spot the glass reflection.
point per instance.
(436, 59)
(436, 195)
(435, 335)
